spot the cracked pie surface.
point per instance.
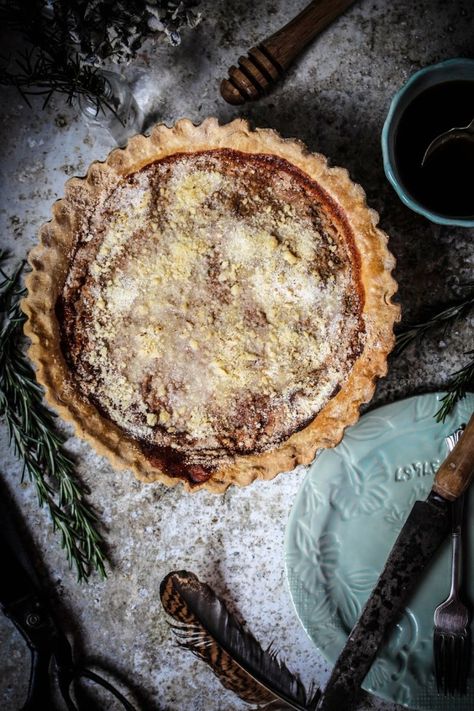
(211, 304)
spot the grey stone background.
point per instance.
(335, 99)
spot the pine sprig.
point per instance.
(39, 445)
(462, 380)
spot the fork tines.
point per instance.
(452, 661)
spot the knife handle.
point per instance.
(455, 474)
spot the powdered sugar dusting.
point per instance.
(220, 304)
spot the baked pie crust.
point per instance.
(210, 305)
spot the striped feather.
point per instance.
(208, 629)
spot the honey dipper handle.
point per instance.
(267, 62)
(285, 45)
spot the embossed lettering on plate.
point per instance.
(417, 470)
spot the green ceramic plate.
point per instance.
(345, 519)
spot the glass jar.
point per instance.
(118, 111)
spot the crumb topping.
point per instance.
(213, 305)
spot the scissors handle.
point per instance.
(33, 621)
(66, 680)
(23, 601)
(110, 688)
(39, 688)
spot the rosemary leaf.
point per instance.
(36, 441)
(462, 382)
(447, 317)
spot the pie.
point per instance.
(211, 304)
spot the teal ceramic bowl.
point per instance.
(450, 70)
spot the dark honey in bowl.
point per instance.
(445, 183)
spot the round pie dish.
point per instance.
(210, 305)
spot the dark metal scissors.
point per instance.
(26, 604)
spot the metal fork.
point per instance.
(451, 637)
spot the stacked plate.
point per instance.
(345, 519)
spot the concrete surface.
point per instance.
(335, 100)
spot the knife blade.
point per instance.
(423, 532)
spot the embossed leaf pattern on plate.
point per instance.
(401, 642)
(422, 490)
(329, 634)
(370, 428)
(403, 695)
(397, 513)
(349, 591)
(348, 512)
(340, 599)
(358, 493)
(379, 674)
(423, 673)
(313, 499)
(464, 411)
(313, 560)
(322, 619)
(425, 409)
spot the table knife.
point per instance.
(423, 532)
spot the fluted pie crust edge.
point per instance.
(49, 262)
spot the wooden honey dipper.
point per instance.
(271, 58)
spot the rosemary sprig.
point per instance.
(39, 445)
(68, 42)
(446, 317)
(49, 64)
(462, 380)
(39, 74)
